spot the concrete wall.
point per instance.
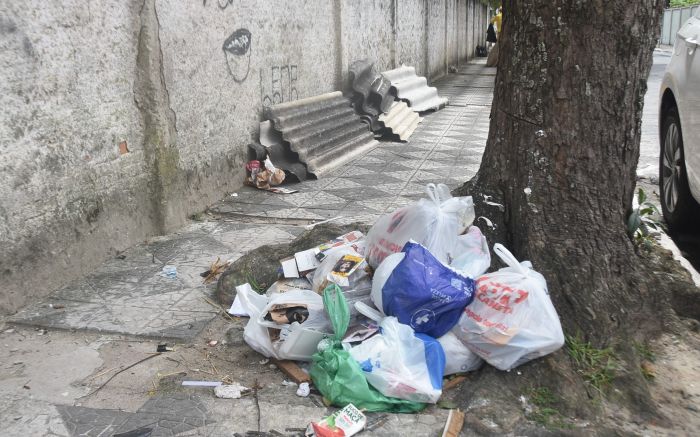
(182, 84)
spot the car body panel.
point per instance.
(682, 78)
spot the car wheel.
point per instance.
(677, 204)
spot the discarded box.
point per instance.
(345, 422)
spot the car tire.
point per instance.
(677, 204)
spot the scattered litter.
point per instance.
(528, 191)
(540, 133)
(42, 332)
(292, 370)
(289, 268)
(123, 148)
(230, 391)
(313, 225)
(202, 383)
(498, 205)
(289, 383)
(263, 175)
(9, 331)
(306, 261)
(212, 342)
(169, 272)
(454, 424)
(56, 306)
(216, 268)
(163, 347)
(345, 422)
(263, 362)
(234, 194)
(303, 390)
(488, 222)
(454, 382)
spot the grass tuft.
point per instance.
(545, 412)
(597, 366)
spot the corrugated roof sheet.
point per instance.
(401, 120)
(414, 89)
(371, 89)
(323, 131)
(279, 153)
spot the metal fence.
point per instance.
(672, 22)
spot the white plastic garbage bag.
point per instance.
(511, 320)
(434, 223)
(293, 341)
(458, 357)
(381, 275)
(402, 364)
(472, 257)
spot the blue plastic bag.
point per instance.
(424, 293)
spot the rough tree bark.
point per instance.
(561, 157)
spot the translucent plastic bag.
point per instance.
(338, 376)
(472, 256)
(421, 291)
(512, 319)
(402, 364)
(434, 223)
(458, 357)
(295, 341)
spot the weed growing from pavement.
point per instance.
(642, 221)
(597, 366)
(648, 357)
(545, 412)
(257, 287)
(645, 351)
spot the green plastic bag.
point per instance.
(338, 376)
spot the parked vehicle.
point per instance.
(679, 121)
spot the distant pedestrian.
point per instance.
(497, 22)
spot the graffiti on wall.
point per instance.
(237, 49)
(278, 84)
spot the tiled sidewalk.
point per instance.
(129, 296)
(446, 148)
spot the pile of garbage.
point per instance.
(382, 318)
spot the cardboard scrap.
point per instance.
(123, 148)
(454, 424)
(292, 370)
(454, 382)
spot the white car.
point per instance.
(679, 122)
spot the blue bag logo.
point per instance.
(423, 319)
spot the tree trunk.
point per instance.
(563, 148)
(561, 158)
